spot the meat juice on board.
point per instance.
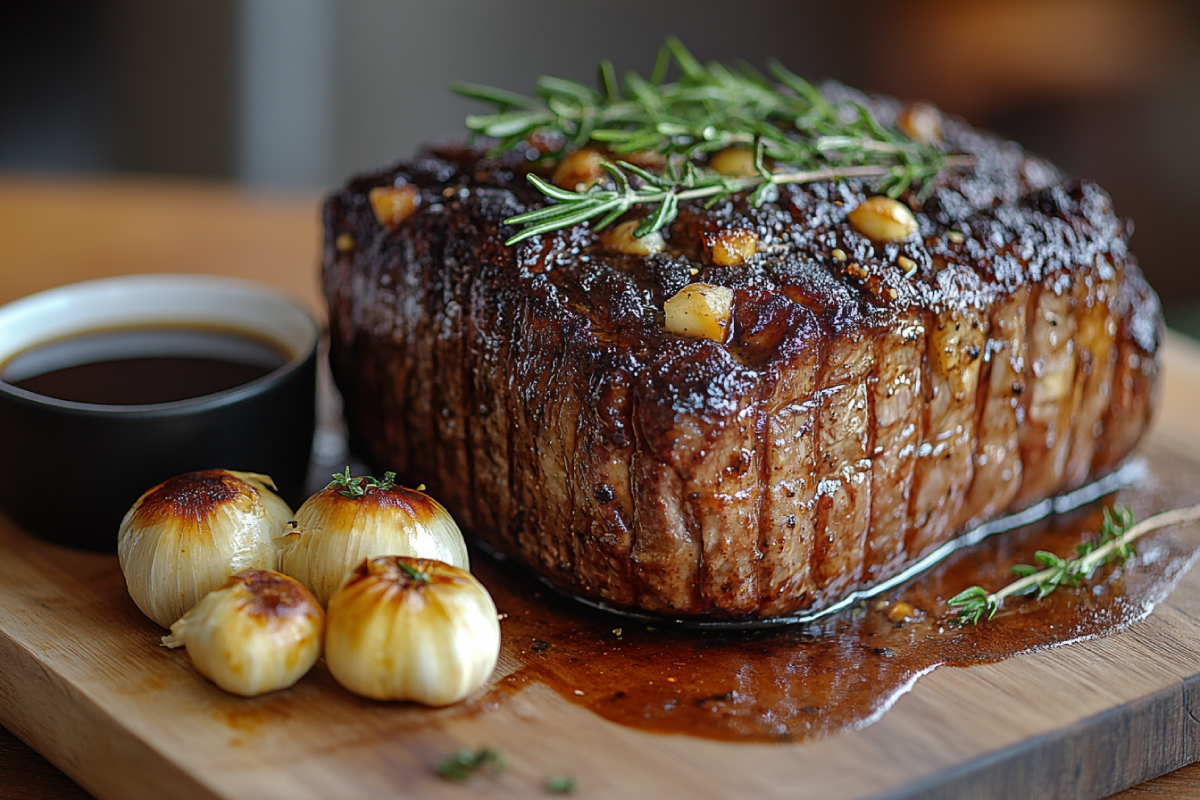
(845, 670)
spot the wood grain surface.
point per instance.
(25, 775)
(81, 681)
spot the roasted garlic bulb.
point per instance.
(260, 632)
(357, 518)
(184, 537)
(412, 629)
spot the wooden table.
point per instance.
(54, 232)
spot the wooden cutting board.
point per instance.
(83, 681)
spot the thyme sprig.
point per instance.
(362, 485)
(797, 135)
(1115, 544)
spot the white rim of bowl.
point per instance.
(158, 299)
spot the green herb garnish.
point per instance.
(560, 784)
(1117, 535)
(415, 574)
(783, 119)
(460, 766)
(362, 485)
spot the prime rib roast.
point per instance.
(871, 401)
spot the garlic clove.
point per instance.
(579, 171)
(730, 247)
(260, 632)
(346, 522)
(412, 629)
(394, 204)
(277, 510)
(184, 537)
(920, 122)
(734, 162)
(699, 310)
(622, 240)
(883, 219)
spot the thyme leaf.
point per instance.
(783, 119)
(462, 764)
(362, 485)
(1114, 544)
(560, 784)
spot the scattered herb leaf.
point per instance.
(560, 784)
(460, 766)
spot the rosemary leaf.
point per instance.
(664, 215)
(505, 124)
(550, 190)
(785, 120)
(608, 80)
(489, 94)
(647, 176)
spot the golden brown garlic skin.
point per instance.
(260, 632)
(194, 495)
(412, 629)
(184, 537)
(334, 533)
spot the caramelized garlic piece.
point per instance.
(731, 247)
(883, 219)
(579, 171)
(184, 537)
(412, 629)
(261, 632)
(734, 162)
(337, 528)
(700, 310)
(394, 204)
(620, 238)
(920, 122)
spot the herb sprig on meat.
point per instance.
(795, 133)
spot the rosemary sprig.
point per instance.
(1117, 535)
(362, 485)
(784, 120)
(666, 191)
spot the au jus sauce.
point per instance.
(142, 365)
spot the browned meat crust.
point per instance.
(855, 420)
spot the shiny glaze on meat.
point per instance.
(854, 420)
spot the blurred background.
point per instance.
(295, 95)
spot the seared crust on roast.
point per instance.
(854, 420)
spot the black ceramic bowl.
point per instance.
(70, 470)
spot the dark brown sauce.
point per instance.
(844, 671)
(139, 366)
